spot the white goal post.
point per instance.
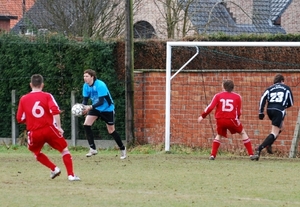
(169, 77)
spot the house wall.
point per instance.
(15, 8)
(153, 11)
(290, 19)
(150, 11)
(242, 10)
(5, 25)
(191, 92)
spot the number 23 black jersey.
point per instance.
(279, 97)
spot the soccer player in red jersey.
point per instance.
(228, 111)
(41, 114)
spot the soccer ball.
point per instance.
(77, 109)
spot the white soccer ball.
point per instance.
(77, 109)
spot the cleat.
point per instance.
(91, 152)
(56, 172)
(211, 158)
(123, 154)
(269, 149)
(73, 178)
(256, 156)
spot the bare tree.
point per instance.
(175, 15)
(85, 18)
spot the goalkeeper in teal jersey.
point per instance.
(102, 108)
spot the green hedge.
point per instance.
(61, 61)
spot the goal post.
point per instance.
(170, 77)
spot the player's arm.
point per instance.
(56, 115)
(85, 94)
(85, 100)
(209, 108)
(57, 120)
(58, 123)
(98, 103)
(262, 104)
(239, 108)
(290, 99)
(20, 113)
(263, 101)
(53, 106)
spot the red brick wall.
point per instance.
(191, 92)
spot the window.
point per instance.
(143, 29)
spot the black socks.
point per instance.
(118, 140)
(267, 142)
(90, 136)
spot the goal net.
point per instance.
(194, 73)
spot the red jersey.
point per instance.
(227, 104)
(36, 110)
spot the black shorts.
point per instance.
(107, 116)
(276, 117)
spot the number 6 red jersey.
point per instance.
(227, 104)
(36, 110)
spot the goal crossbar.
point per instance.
(203, 44)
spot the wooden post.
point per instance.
(129, 77)
(294, 146)
(14, 126)
(74, 121)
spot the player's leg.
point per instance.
(247, 142)
(277, 119)
(269, 147)
(36, 141)
(215, 147)
(58, 142)
(111, 130)
(109, 118)
(237, 127)
(221, 132)
(89, 120)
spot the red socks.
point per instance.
(67, 159)
(44, 160)
(247, 144)
(215, 146)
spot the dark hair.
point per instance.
(37, 80)
(228, 85)
(91, 73)
(278, 78)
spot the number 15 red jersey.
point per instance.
(227, 104)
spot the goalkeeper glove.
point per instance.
(261, 116)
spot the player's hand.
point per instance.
(87, 108)
(61, 131)
(200, 119)
(261, 116)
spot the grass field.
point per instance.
(149, 178)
